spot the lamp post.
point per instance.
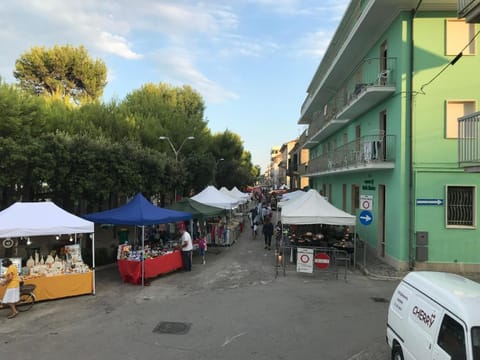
(176, 151)
(214, 182)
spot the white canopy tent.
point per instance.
(290, 196)
(312, 208)
(23, 219)
(237, 192)
(238, 198)
(214, 197)
(40, 218)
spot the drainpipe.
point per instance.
(411, 205)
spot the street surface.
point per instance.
(232, 307)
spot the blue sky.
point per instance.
(251, 60)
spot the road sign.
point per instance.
(322, 260)
(429, 202)
(304, 260)
(366, 202)
(366, 217)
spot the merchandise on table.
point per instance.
(127, 252)
(53, 264)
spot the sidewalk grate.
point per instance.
(169, 327)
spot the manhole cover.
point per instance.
(379, 299)
(169, 327)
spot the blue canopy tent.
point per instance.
(138, 211)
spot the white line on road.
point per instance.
(228, 341)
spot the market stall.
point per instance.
(131, 271)
(56, 275)
(140, 211)
(225, 229)
(312, 208)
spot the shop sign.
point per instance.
(368, 185)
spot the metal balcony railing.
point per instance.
(469, 9)
(369, 84)
(469, 140)
(371, 151)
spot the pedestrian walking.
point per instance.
(202, 247)
(267, 231)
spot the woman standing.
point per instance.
(11, 280)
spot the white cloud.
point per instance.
(177, 64)
(313, 45)
(115, 44)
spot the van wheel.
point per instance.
(397, 353)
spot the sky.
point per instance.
(250, 60)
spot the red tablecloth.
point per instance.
(131, 271)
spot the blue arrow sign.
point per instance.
(366, 217)
(429, 202)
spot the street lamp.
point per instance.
(215, 171)
(176, 151)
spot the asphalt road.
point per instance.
(233, 307)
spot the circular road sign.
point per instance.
(366, 217)
(322, 260)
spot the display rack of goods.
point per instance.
(53, 265)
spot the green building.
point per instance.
(383, 133)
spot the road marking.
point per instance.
(229, 340)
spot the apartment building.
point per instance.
(382, 111)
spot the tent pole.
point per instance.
(143, 255)
(93, 261)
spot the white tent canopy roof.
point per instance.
(284, 200)
(214, 197)
(312, 208)
(237, 192)
(240, 199)
(40, 218)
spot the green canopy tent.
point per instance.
(198, 210)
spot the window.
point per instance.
(454, 110)
(461, 206)
(451, 338)
(476, 342)
(458, 35)
(355, 198)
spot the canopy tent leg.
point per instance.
(143, 256)
(93, 260)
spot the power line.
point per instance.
(455, 59)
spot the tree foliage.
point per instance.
(62, 72)
(87, 157)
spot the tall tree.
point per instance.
(64, 72)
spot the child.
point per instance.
(202, 247)
(254, 230)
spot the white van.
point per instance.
(434, 315)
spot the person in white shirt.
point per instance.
(187, 247)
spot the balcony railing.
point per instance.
(469, 9)
(469, 140)
(370, 83)
(368, 152)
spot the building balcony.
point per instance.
(469, 142)
(367, 87)
(369, 152)
(469, 9)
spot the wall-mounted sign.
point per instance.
(366, 202)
